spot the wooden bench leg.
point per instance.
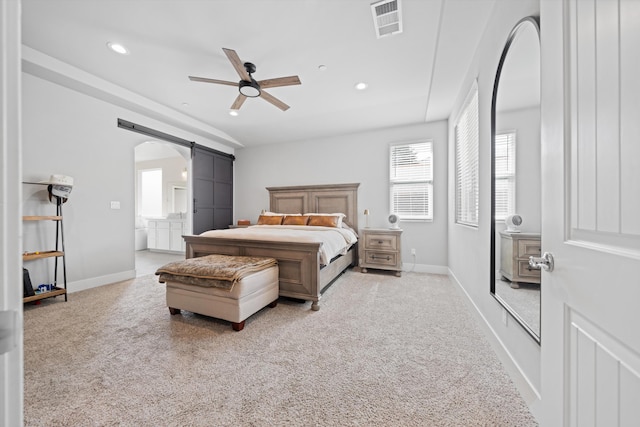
(237, 326)
(174, 311)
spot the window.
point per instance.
(150, 193)
(411, 180)
(505, 175)
(466, 143)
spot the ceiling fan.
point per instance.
(248, 87)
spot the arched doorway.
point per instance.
(162, 203)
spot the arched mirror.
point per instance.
(515, 171)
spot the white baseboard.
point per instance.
(94, 282)
(519, 378)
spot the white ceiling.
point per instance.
(413, 77)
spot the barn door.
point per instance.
(212, 189)
(591, 212)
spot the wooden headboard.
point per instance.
(317, 199)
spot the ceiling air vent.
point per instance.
(386, 17)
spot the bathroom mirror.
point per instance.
(516, 177)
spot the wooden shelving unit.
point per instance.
(56, 253)
(38, 296)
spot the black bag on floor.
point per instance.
(28, 288)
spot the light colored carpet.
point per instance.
(382, 351)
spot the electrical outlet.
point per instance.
(413, 251)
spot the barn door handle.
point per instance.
(194, 205)
(545, 262)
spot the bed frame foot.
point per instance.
(273, 304)
(237, 326)
(174, 311)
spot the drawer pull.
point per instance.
(388, 258)
(380, 242)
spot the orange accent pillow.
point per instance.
(295, 220)
(270, 219)
(324, 220)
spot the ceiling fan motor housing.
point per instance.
(250, 89)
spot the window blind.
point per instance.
(504, 175)
(466, 143)
(411, 180)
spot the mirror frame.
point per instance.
(529, 20)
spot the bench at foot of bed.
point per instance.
(236, 326)
(248, 296)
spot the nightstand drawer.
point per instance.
(525, 271)
(381, 241)
(527, 248)
(381, 258)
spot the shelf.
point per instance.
(54, 293)
(38, 255)
(42, 218)
(55, 254)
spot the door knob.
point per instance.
(545, 262)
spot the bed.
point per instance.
(302, 273)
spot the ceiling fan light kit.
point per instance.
(250, 89)
(247, 86)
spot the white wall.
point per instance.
(469, 249)
(66, 132)
(359, 158)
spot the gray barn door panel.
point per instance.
(212, 190)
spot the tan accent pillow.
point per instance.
(324, 220)
(270, 219)
(295, 220)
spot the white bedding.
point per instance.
(335, 241)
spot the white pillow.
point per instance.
(276, 213)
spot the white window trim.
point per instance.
(428, 181)
(507, 176)
(467, 166)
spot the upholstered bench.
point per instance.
(226, 287)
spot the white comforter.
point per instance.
(335, 241)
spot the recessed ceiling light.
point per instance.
(118, 48)
(233, 112)
(185, 104)
(322, 67)
(361, 86)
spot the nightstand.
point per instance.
(515, 250)
(381, 249)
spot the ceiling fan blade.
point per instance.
(238, 102)
(280, 81)
(206, 80)
(237, 64)
(273, 100)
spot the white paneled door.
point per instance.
(11, 349)
(591, 212)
